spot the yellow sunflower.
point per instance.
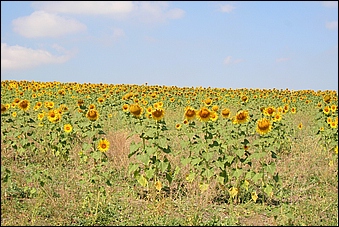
(293, 110)
(54, 116)
(277, 117)
(41, 116)
(136, 110)
(103, 145)
(225, 113)
(300, 126)
(204, 114)
(68, 128)
(158, 114)
(214, 116)
(189, 113)
(334, 124)
(269, 111)
(125, 107)
(3, 108)
(241, 117)
(327, 110)
(178, 126)
(24, 105)
(264, 126)
(14, 114)
(92, 114)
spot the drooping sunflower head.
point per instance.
(189, 113)
(24, 105)
(264, 126)
(208, 101)
(225, 113)
(136, 110)
(158, 114)
(103, 145)
(3, 108)
(244, 98)
(241, 117)
(68, 128)
(204, 114)
(92, 114)
(327, 99)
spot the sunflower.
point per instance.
(208, 101)
(24, 105)
(103, 145)
(327, 110)
(158, 114)
(277, 117)
(293, 110)
(334, 124)
(300, 126)
(269, 111)
(92, 114)
(189, 113)
(41, 116)
(215, 108)
(185, 122)
(264, 126)
(91, 106)
(204, 114)
(54, 116)
(136, 110)
(225, 113)
(244, 98)
(214, 116)
(3, 108)
(68, 128)
(14, 114)
(334, 108)
(125, 107)
(241, 117)
(101, 100)
(50, 105)
(329, 120)
(327, 99)
(178, 126)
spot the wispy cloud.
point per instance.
(330, 4)
(43, 24)
(226, 8)
(229, 60)
(332, 25)
(18, 57)
(282, 59)
(144, 10)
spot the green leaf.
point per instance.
(237, 173)
(195, 161)
(208, 173)
(190, 177)
(256, 177)
(133, 148)
(142, 180)
(185, 161)
(163, 166)
(144, 158)
(270, 168)
(132, 168)
(207, 155)
(150, 173)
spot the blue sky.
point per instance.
(218, 44)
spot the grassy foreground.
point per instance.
(56, 193)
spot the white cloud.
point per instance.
(282, 59)
(43, 24)
(330, 4)
(226, 8)
(85, 7)
(333, 25)
(18, 57)
(228, 60)
(145, 11)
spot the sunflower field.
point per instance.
(124, 154)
